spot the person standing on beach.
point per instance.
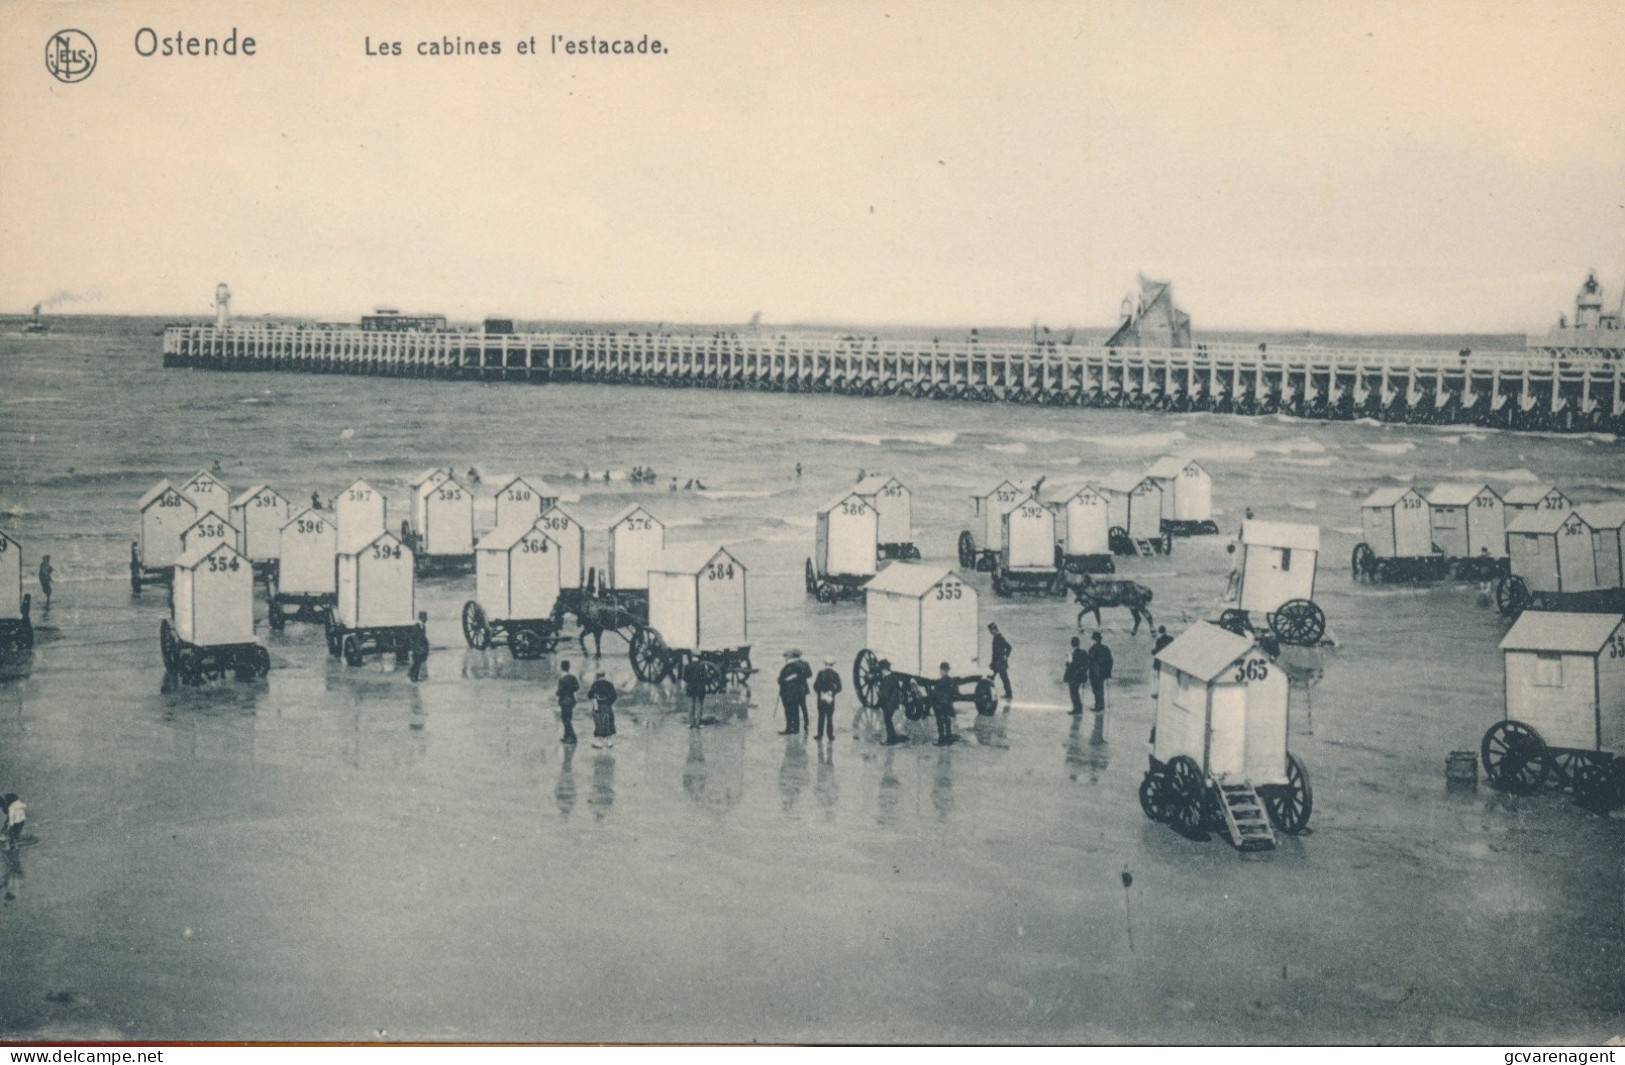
(1077, 674)
(694, 681)
(942, 705)
(569, 684)
(794, 679)
(1001, 658)
(1163, 640)
(827, 686)
(603, 696)
(45, 572)
(891, 688)
(13, 814)
(418, 647)
(1100, 671)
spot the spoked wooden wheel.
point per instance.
(1235, 621)
(811, 579)
(715, 681)
(866, 678)
(983, 698)
(916, 702)
(648, 653)
(1516, 759)
(1511, 596)
(967, 550)
(1298, 622)
(526, 643)
(353, 654)
(168, 645)
(1363, 562)
(1600, 786)
(262, 662)
(1001, 586)
(475, 629)
(1289, 805)
(1154, 797)
(1186, 795)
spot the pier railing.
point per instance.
(1512, 389)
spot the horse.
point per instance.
(597, 612)
(1093, 594)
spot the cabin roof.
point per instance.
(689, 559)
(321, 515)
(156, 491)
(425, 487)
(1387, 497)
(363, 482)
(996, 488)
(1602, 515)
(840, 497)
(560, 508)
(1457, 495)
(1524, 495)
(622, 515)
(1204, 651)
(248, 495)
(205, 516)
(205, 474)
(541, 488)
(193, 556)
(1067, 491)
(1171, 466)
(504, 537)
(907, 578)
(428, 475)
(1541, 630)
(1281, 534)
(873, 483)
(1540, 521)
(357, 548)
(1123, 481)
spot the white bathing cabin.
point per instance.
(1082, 520)
(698, 599)
(571, 536)
(894, 503)
(1222, 702)
(1523, 497)
(377, 585)
(847, 537)
(259, 514)
(1029, 537)
(1394, 523)
(987, 513)
(1135, 502)
(1565, 678)
(1277, 563)
(360, 513)
(206, 490)
(165, 514)
(1187, 489)
(209, 528)
(213, 596)
(309, 548)
(11, 578)
(636, 541)
(1468, 521)
(1607, 521)
(521, 501)
(516, 572)
(919, 616)
(443, 517)
(1554, 551)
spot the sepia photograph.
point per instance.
(830, 522)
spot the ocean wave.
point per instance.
(36, 399)
(1303, 504)
(1467, 476)
(1222, 453)
(740, 493)
(942, 439)
(1316, 463)
(1143, 441)
(1391, 449)
(1007, 449)
(1290, 447)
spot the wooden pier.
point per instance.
(1511, 390)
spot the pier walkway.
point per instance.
(1511, 390)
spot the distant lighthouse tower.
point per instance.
(222, 306)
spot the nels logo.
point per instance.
(70, 55)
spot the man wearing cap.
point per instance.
(1001, 657)
(418, 646)
(1100, 671)
(827, 685)
(942, 705)
(793, 681)
(1077, 672)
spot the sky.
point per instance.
(1351, 166)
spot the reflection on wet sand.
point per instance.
(564, 792)
(825, 788)
(793, 774)
(603, 785)
(1088, 756)
(990, 731)
(890, 789)
(11, 882)
(942, 784)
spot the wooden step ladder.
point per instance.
(1245, 816)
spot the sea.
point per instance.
(337, 853)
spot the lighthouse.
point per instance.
(222, 306)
